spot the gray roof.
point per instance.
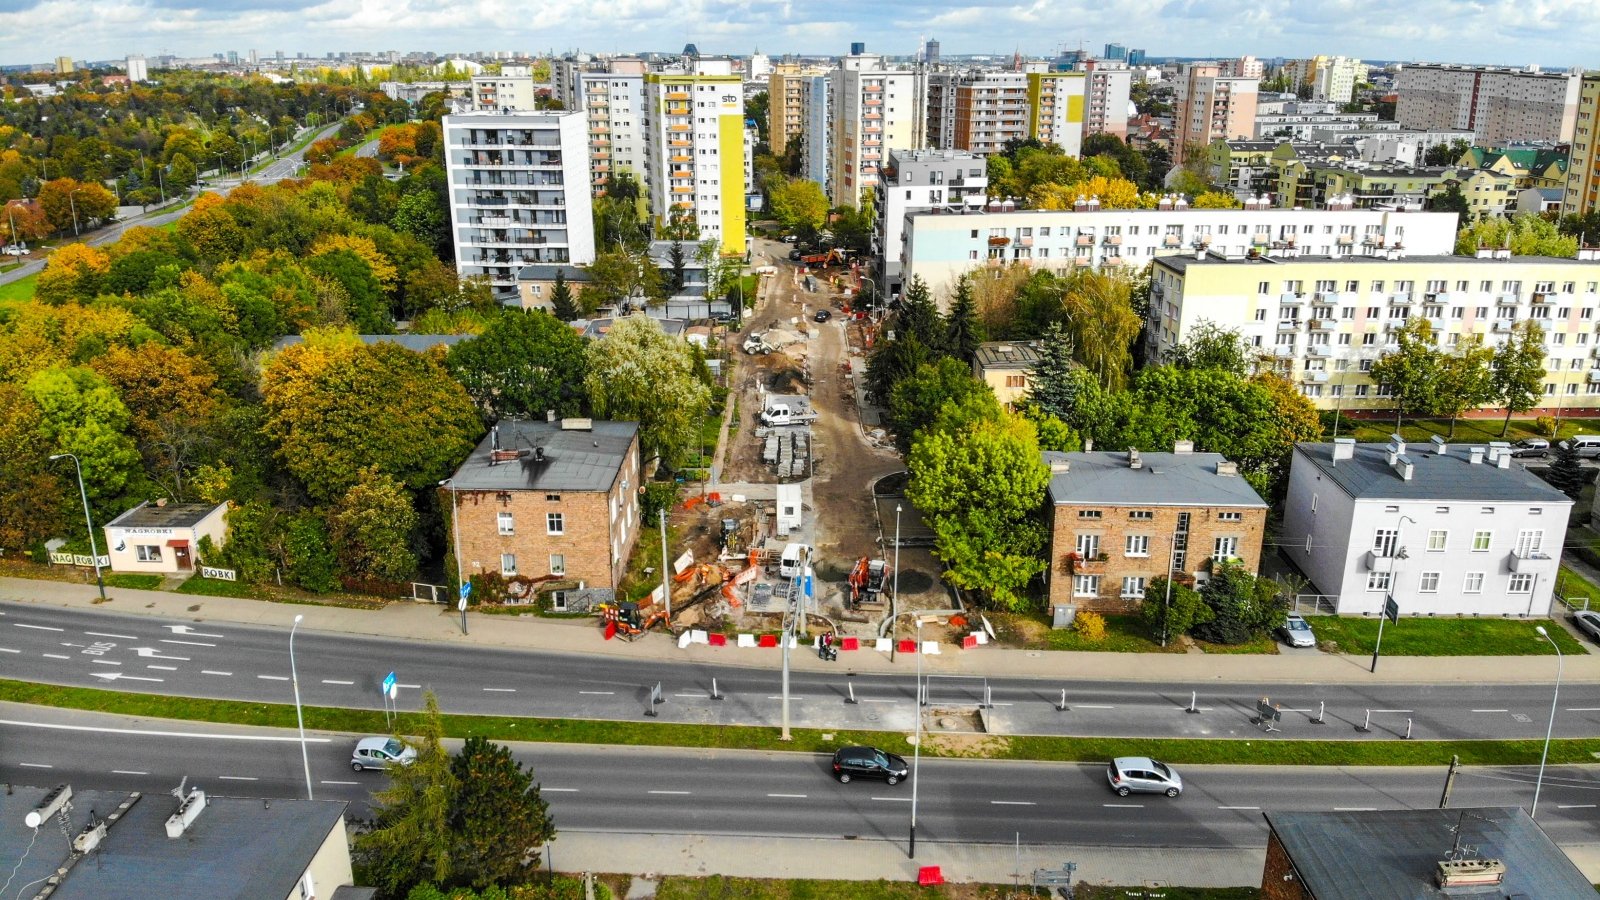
(417, 343)
(237, 849)
(1182, 262)
(1015, 355)
(1165, 479)
(597, 328)
(172, 515)
(574, 274)
(1368, 476)
(1391, 854)
(568, 459)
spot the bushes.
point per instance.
(1241, 605)
(1166, 617)
(1091, 626)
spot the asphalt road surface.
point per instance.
(146, 655)
(623, 789)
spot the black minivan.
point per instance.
(869, 762)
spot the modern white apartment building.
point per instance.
(138, 69)
(818, 131)
(1107, 91)
(991, 108)
(1242, 67)
(1582, 192)
(918, 180)
(511, 89)
(612, 101)
(874, 107)
(1498, 105)
(1056, 109)
(1442, 529)
(1329, 77)
(694, 147)
(519, 193)
(1211, 105)
(1323, 321)
(786, 103)
(939, 246)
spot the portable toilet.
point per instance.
(788, 508)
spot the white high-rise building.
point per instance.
(511, 89)
(1499, 105)
(694, 148)
(818, 130)
(138, 69)
(613, 101)
(519, 193)
(874, 108)
(1329, 77)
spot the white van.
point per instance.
(1587, 445)
(789, 562)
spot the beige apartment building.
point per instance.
(1582, 192)
(787, 103)
(1212, 105)
(1499, 105)
(991, 108)
(873, 108)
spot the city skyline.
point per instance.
(108, 29)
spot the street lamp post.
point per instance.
(455, 527)
(94, 549)
(1396, 553)
(916, 744)
(72, 202)
(1550, 727)
(792, 612)
(894, 591)
(299, 717)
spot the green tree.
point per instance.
(33, 490)
(411, 840)
(1450, 199)
(892, 361)
(1210, 346)
(563, 307)
(623, 275)
(1167, 616)
(371, 528)
(1566, 474)
(1052, 386)
(1411, 372)
(798, 204)
(1517, 370)
(1102, 322)
(305, 552)
(1465, 380)
(524, 364)
(919, 318)
(679, 260)
(81, 413)
(181, 174)
(1242, 605)
(963, 330)
(638, 373)
(917, 400)
(498, 820)
(1524, 234)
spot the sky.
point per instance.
(1547, 32)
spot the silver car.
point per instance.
(381, 753)
(1296, 633)
(1143, 775)
(1587, 622)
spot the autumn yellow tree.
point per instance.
(73, 273)
(1214, 200)
(382, 268)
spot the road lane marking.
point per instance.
(54, 656)
(1575, 806)
(1583, 709)
(1389, 710)
(164, 668)
(1491, 710)
(237, 778)
(36, 765)
(894, 799)
(38, 627)
(126, 637)
(878, 700)
(780, 697)
(186, 630)
(214, 672)
(105, 662)
(127, 772)
(598, 693)
(502, 690)
(1209, 708)
(116, 676)
(1355, 809)
(273, 677)
(1091, 706)
(803, 796)
(558, 790)
(674, 793)
(1012, 803)
(190, 643)
(1238, 807)
(341, 782)
(410, 687)
(8, 650)
(690, 696)
(1123, 805)
(332, 681)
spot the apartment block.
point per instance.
(1498, 105)
(941, 108)
(1582, 190)
(613, 104)
(1328, 77)
(874, 107)
(564, 74)
(1211, 105)
(786, 103)
(1306, 122)
(694, 148)
(512, 89)
(1056, 109)
(991, 108)
(1107, 91)
(519, 193)
(818, 131)
(138, 69)
(1242, 67)
(1119, 520)
(940, 246)
(550, 501)
(1323, 321)
(916, 181)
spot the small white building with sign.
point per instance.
(164, 538)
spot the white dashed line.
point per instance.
(1490, 710)
(673, 793)
(190, 643)
(546, 790)
(502, 690)
(340, 782)
(689, 696)
(1092, 706)
(54, 656)
(894, 799)
(236, 778)
(780, 697)
(878, 700)
(789, 796)
(598, 693)
(1238, 807)
(1355, 809)
(164, 668)
(1012, 803)
(215, 672)
(1576, 806)
(126, 637)
(273, 677)
(8, 650)
(410, 687)
(105, 662)
(36, 765)
(1583, 709)
(37, 627)
(1390, 710)
(331, 681)
(127, 772)
(1123, 805)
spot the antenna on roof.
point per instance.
(178, 791)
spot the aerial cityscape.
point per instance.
(753, 451)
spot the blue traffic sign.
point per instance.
(388, 682)
(466, 589)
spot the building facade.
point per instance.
(1323, 322)
(940, 111)
(1119, 520)
(1057, 109)
(164, 538)
(874, 107)
(1327, 77)
(1007, 368)
(1498, 105)
(991, 108)
(512, 89)
(940, 246)
(612, 101)
(138, 69)
(1583, 169)
(786, 104)
(1108, 87)
(694, 148)
(919, 180)
(1442, 529)
(552, 502)
(1211, 105)
(818, 132)
(519, 193)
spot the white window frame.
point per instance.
(1379, 580)
(1086, 585)
(1428, 583)
(1133, 587)
(148, 553)
(555, 523)
(1482, 536)
(1438, 539)
(1472, 583)
(558, 564)
(1137, 545)
(508, 569)
(1088, 546)
(1225, 547)
(506, 522)
(1520, 583)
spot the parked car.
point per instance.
(790, 238)
(381, 753)
(794, 255)
(1143, 775)
(1588, 622)
(822, 315)
(15, 250)
(869, 762)
(1538, 447)
(1586, 445)
(1296, 633)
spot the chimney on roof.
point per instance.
(1060, 466)
(1182, 447)
(1399, 442)
(1134, 462)
(1475, 456)
(1343, 448)
(549, 415)
(1402, 464)
(1504, 461)
(1439, 446)
(494, 437)
(577, 424)
(1227, 468)
(499, 456)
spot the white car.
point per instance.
(381, 753)
(1296, 633)
(15, 250)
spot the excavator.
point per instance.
(628, 620)
(866, 580)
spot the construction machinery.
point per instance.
(629, 620)
(867, 579)
(825, 258)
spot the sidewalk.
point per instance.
(437, 624)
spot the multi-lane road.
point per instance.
(626, 789)
(92, 648)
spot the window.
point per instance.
(1384, 541)
(1378, 581)
(1133, 587)
(1480, 541)
(1088, 513)
(1086, 586)
(149, 553)
(1529, 541)
(508, 564)
(558, 564)
(552, 498)
(1473, 583)
(1225, 548)
(1138, 545)
(558, 601)
(1436, 540)
(1521, 583)
(1429, 584)
(1142, 515)
(554, 524)
(507, 523)
(1088, 546)
(1230, 517)
(1016, 381)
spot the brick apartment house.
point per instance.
(551, 500)
(1119, 519)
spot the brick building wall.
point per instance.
(1153, 527)
(1277, 876)
(598, 530)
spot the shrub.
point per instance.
(1091, 626)
(1545, 425)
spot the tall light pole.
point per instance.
(894, 591)
(791, 611)
(1395, 555)
(94, 549)
(72, 201)
(455, 526)
(294, 675)
(1551, 726)
(916, 744)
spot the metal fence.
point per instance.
(1316, 604)
(429, 593)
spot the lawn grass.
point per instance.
(1575, 588)
(1261, 643)
(19, 291)
(1265, 752)
(216, 587)
(133, 580)
(1442, 637)
(1468, 431)
(1124, 634)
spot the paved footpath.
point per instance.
(436, 624)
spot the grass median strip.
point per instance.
(1376, 752)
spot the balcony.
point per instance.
(1377, 562)
(1324, 324)
(1314, 377)
(1327, 296)
(1320, 351)
(1172, 240)
(1260, 240)
(677, 95)
(1289, 325)
(1290, 298)
(1594, 376)
(1400, 300)
(1437, 325)
(1113, 240)
(1085, 240)
(495, 221)
(1082, 261)
(1346, 240)
(1503, 326)
(1532, 561)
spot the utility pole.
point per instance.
(666, 588)
(1449, 782)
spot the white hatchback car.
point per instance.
(1143, 775)
(381, 753)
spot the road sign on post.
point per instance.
(388, 683)
(1391, 610)
(466, 591)
(1391, 613)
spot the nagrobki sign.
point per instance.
(78, 559)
